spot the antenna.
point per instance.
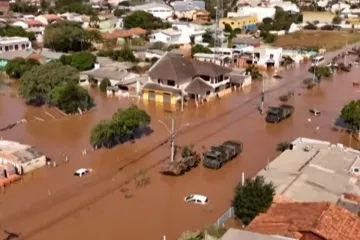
(218, 31)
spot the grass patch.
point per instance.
(330, 40)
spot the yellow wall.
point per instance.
(159, 96)
(239, 22)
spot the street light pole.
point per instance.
(173, 133)
(262, 96)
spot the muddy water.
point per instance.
(108, 204)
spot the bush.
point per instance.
(310, 27)
(104, 84)
(282, 146)
(215, 231)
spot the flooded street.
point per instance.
(108, 204)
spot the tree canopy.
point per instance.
(124, 54)
(70, 97)
(119, 12)
(77, 6)
(351, 114)
(104, 84)
(16, 67)
(81, 61)
(68, 36)
(208, 38)
(10, 31)
(37, 83)
(144, 20)
(199, 49)
(124, 125)
(22, 7)
(336, 20)
(254, 197)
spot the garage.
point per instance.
(151, 95)
(167, 97)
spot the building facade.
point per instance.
(244, 22)
(14, 44)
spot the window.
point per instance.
(271, 56)
(171, 83)
(16, 47)
(11, 47)
(6, 48)
(22, 46)
(232, 23)
(27, 45)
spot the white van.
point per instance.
(317, 61)
(195, 198)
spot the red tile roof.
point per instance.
(124, 33)
(351, 197)
(326, 220)
(52, 17)
(31, 22)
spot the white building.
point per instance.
(31, 25)
(14, 44)
(267, 56)
(159, 10)
(48, 18)
(340, 7)
(180, 33)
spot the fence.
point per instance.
(226, 216)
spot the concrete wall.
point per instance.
(34, 164)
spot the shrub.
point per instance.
(282, 146)
(104, 84)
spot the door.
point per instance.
(167, 98)
(152, 95)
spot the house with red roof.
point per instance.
(47, 19)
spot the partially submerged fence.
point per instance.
(226, 216)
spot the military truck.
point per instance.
(277, 114)
(218, 155)
(189, 159)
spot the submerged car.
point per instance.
(315, 111)
(197, 199)
(82, 171)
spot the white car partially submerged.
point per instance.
(82, 171)
(196, 198)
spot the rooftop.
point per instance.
(123, 33)
(110, 73)
(152, 5)
(7, 40)
(19, 152)
(315, 171)
(237, 234)
(179, 69)
(321, 219)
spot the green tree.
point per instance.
(44, 5)
(208, 38)
(70, 97)
(66, 36)
(77, 6)
(94, 21)
(252, 198)
(199, 49)
(227, 28)
(119, 12)
(350, 113)
(81, 61)
(125, 54)
(124, 125)
(104, 84)
(22, 7)
(9, 31)
(336, 20)
(144, 20)
(16, 67)
(320, 71)
(39, 81)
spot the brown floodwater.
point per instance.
(109, 204)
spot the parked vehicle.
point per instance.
(317, 61)
(315, 111)
(196, 198)
(82, 171)
(189, 159)
(218, 155)
(276, 114)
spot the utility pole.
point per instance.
(182, 101)
(262, 96)
(173, 133)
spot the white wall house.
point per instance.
(260, 12)
(14, 44)
(169, 36)
(180, 33)
(31, 25)
(159, 10)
